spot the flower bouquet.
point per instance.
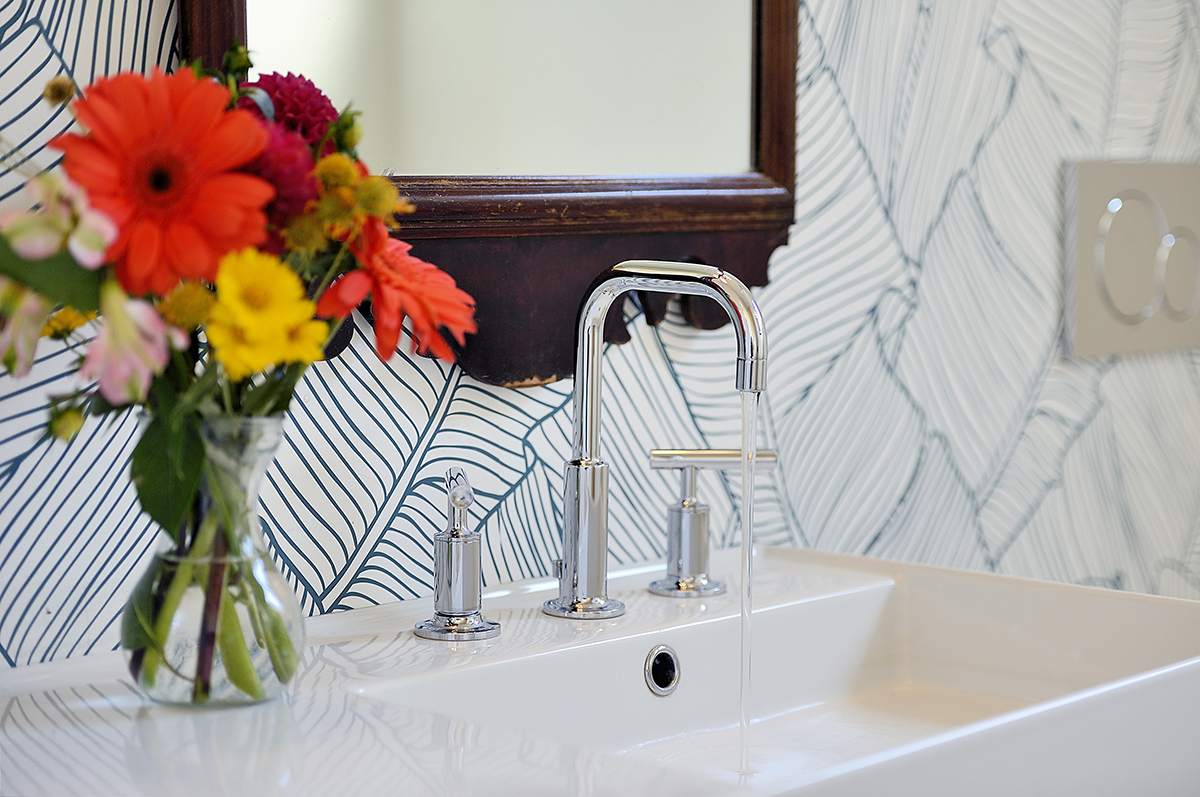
(206, 237)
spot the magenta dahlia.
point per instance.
(299, 106)
(287, 164)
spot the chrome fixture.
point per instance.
(662, 670)
(687, 521)
(583, 569)
(457, 573)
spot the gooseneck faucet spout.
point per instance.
(583, 569)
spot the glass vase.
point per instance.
(212, 621)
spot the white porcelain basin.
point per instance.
(869, 678)
(866, 675)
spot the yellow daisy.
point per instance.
(260, 293)
(261, 317)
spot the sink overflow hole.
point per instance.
(662, 670)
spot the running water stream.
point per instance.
(749, 456)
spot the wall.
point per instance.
(918, 398)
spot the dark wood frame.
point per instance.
(527, 247)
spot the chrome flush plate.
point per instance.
(1132, 257)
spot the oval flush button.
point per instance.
(662, 670)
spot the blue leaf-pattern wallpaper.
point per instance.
(918, 396)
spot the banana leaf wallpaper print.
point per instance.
(918, 395)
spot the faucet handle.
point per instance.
(459, 496)
(457, 572)
(687, 521)
(713, 458)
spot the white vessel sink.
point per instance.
(870, 677)
(865, 674)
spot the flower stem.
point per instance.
(220, 628)
(268, 625)
(331, 272)
(199, 389)
(208, 622)
(226, 395)
(162, 622)
(13, 159)
(170, 604)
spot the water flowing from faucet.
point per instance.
(749, 454)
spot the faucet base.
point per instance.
(457, 628)
(590, 609)
(694, 587)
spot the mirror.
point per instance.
(527, 247)
(493, 87)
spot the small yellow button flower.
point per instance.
(187, 306)
(65, 321)
(337, 210)
(60, 90)
(305, 234)
(337, 171)
(66, 422)
(376, 196)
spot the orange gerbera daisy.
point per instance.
(157, 159)
(399, 285)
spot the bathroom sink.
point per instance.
(869, 677)
(866, 675)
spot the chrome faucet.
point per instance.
(583, 569)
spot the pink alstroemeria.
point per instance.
(23, 313)
(131, 346)
(61, 217)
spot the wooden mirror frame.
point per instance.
(528, 247)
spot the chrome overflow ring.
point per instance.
(662, 670)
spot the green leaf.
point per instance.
(310, 268)
(58, 278)
(137, 621)
(166, 467)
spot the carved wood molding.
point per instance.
(451, 207)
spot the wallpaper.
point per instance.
(917, 392)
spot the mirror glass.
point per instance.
(529, 87)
